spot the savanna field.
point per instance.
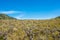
(14, 29)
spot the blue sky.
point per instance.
(30, 9)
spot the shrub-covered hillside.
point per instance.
(12, 29)
(4, 16)
(58, 17)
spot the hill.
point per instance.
(57, 17)
(30, 29)
(4, 16)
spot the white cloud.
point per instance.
(19, 16)
(10, 12)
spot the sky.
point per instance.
(30, 9)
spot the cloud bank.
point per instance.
(32, 15)
(20, 13)
(10, 12)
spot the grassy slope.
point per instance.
(12, 29)
(15, 29)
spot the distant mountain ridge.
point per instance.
(4, 16)
(57, 17)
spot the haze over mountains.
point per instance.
(5, 16)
